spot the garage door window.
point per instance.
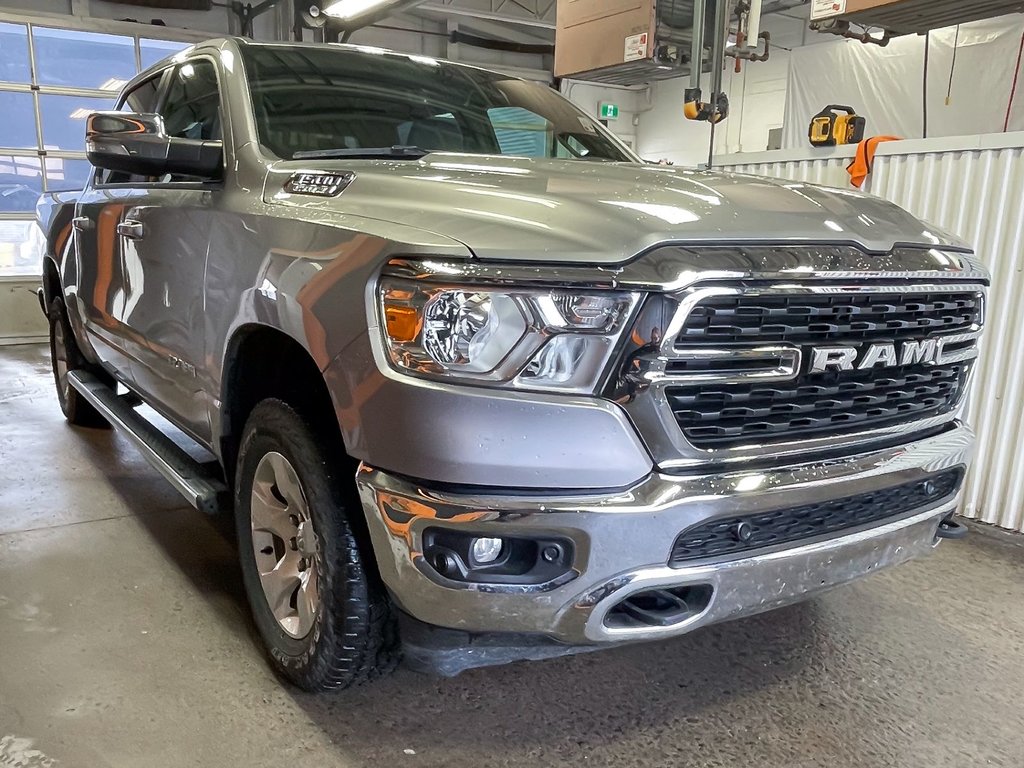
(14, 66)
(51, 78)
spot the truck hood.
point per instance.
(509, 208)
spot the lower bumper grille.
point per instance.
(826, 404)
(735, 536)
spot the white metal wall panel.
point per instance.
(831, 171)
(976, 192)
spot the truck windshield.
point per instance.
(310, 101)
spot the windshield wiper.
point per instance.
(404, 153)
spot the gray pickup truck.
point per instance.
(479, 384)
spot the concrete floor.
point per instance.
(125, 641)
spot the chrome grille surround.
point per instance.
(650, 406)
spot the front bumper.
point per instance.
(622, 542)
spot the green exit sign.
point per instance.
(609, 111)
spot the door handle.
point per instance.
(82, 223)
(131, 229)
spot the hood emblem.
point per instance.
(318, 184)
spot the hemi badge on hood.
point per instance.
(318, 184)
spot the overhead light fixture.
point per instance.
(359, 13)
(113, 84)
(81, 113)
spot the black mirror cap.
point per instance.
(132, 143)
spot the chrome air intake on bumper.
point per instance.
(625, 544)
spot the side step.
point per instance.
(193, 480)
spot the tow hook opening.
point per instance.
(664, 607)
(951, 528)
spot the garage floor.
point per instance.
(125, 641)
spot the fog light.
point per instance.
(486, 550)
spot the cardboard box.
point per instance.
(825, 9)
(595, 34)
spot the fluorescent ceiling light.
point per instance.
(346, 9)
(80, 114)
(113, 84)
(365, 10)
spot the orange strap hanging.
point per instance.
(865, 159)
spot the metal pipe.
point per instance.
(718, 48)
(753, 23)
(717, 63)
(697, 44)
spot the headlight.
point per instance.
(524, 338)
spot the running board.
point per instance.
(193, 480)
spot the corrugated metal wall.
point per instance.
(976, 192)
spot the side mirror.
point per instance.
(139, 145)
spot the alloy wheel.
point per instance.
(285, 545)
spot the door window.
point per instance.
(192, 108)
(142, 98)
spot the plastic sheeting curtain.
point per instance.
(886, 85)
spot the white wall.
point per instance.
(886, 85)
(757, 104)
(882, 84)
(588, 97)
(20, 316)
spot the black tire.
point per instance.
(354, 636)
(65, 356)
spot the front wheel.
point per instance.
(315, 597)
(65, 358)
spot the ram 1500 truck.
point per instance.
(478, 383)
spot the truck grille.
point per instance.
(830, 318)
(825, 404)
(736, 401)
(735, 536)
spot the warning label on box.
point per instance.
(636, 47)
(822, 9)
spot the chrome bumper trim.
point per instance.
(756, 584)
(622, 541)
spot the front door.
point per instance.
(103, 282)
(164, 238)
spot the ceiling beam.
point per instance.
(513, 34)
(502, 18)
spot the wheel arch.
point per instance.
(51, 281)
(260, 362)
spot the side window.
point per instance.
(192, 107)
(141, 99)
